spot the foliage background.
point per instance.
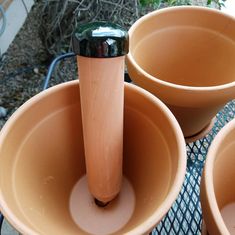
(60, 18)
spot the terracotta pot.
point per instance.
(217, 187)
(42, 158)
(186, 57)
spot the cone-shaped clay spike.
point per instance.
(100, 49)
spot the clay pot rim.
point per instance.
(208, 176)
(194, 89)
(173, 192)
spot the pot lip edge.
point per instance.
(193, 89)
(13, 220)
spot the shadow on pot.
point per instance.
(186, 57)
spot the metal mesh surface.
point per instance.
(185, 216)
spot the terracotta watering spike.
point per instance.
(101, 49)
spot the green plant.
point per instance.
(150, 2)
(219, 3)
(208, 3)
(177, 2)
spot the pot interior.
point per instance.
(186, 46)
(42, 158)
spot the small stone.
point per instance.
(36, 70)
(3, 112)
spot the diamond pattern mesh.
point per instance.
(185, 216)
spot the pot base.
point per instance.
(101, 220)
(202, 133)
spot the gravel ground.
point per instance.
(24, 66)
